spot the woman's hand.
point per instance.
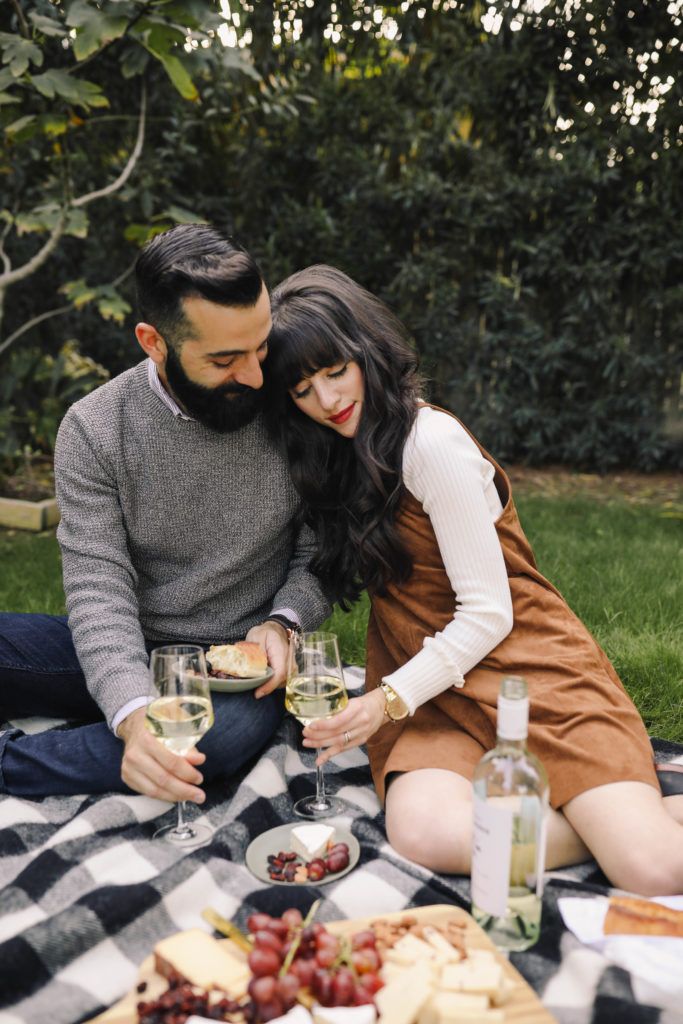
(352, 727)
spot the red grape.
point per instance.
(278, 927)
(263, 962)
(371, 982)
(287, 987)
(266, 940)
(324, 940)
(255, 922)
(322, 987)
(337, 861)
(270, 1010)
(343, 987)
(304, 971)
(263, 989)
(292, 917)
(365, 960)
(363, 940)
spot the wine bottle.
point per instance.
(510, 814)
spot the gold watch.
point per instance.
(395, 708)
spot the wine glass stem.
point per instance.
(319, 781)
(181, 824)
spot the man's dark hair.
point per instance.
(192, 261)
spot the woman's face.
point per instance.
(333, 397)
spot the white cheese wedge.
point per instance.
(311, 841)
(408, 950)
(441, 944)
(344, 1015)
(473, 976)
(196, 957)
(450, 1007)
(402, 999)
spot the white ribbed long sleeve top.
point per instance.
(445, 471)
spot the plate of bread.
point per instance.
(234, 668)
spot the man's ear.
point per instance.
(151, 342)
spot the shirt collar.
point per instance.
(161, 392)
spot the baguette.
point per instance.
(630, 916)
(244, 660)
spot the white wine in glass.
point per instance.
(178, 715)
(315, 689)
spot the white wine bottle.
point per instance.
(510, 816)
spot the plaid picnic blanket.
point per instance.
(86, 892)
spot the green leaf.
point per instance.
(78, 292)
(111, 305)
(178, 75)
(93, 33)
(48, 26)
(6, 98)
(17, 127)
(74, 90)
(180, 215)
(134, 61)
(44, 218)
(141, 233)
(53, 125)
(19, 53)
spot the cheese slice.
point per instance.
(311, 841)
(450, 1007)
(344, 1015)
(408, 950)
(196, 957)
(402, 999)
(441, 944)
(473, 976)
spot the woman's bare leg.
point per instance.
(632, 835)
(429, 821)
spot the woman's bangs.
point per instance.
(309, 349)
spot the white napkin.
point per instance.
(654, 962)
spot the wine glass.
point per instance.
(315, 689)
(178, 715)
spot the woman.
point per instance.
(405, 502)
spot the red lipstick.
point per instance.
(342, 416)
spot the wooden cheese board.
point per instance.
(522, 1007)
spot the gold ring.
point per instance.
(347, 739)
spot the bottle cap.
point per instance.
(513, 709)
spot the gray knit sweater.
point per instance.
(170, 531)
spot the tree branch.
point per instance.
(58, 311)
(6, 262)
(12, 276)
(23, 24)
(130, 165)
(33, 322)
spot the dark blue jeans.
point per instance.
(40, 675)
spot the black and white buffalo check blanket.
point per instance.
(86, 892)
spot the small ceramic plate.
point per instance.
(277, 839)
(239, 685)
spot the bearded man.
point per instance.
(178, 525)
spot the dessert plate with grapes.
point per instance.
(297, 854)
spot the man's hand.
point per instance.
(149, 768)
(272, 637)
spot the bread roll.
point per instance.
(242, 660)
(630, 916)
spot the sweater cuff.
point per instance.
(423, 677)
(128, 709)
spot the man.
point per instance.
(177, 525)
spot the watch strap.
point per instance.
(293, 628)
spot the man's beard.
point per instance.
(222, 409)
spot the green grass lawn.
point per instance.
(619, 565)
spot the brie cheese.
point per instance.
(310, 841)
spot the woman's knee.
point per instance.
(427, 836)
(647, 871)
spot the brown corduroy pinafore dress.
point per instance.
(583, 725)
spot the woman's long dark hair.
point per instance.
(351, 488)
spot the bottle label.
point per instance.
(508, 851)
(491, 854)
